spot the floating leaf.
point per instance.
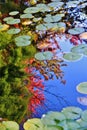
(73, 125)
(10, 125)
(26, 16)
(82, 123)
(31, 10)
(84, 115)
(14, 13)
(7, 19)
(53, 128)
(72, 112)
(82, 87)
(50, 18)
(47, 55)
(13, 21)
(13, 31)
(72, 56)
(56, 4)
(76, 31)
(23, 40)
(72, 3)
(33, 124)
(79, 49)
(52, 118)
(44, 27)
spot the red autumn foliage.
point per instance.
(36, 87)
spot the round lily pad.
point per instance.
(13, 21)
(73, 125)
(26, 16)
(72, 56)
(82, 87)
(52, 118)
(44, 55)
(72, 3)
(55, 4)
(76, 31)
(84, 115)
(31, 10)
(72, 112)
(79, 49)
(7, 19)
(23, 40)
(14, 13)
(13, 31)
(10, 125)
(33, 124)
(82, 123)
(53, 127)
(44, 27)
(50, 18)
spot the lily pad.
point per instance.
(7, 19)
(69, 56)
(53, 128)
(73, 125)
(52, 118)
(44, 27)
(84, 115)
(56, 4)
(82, 100)
(26, 16)
(13, 31)
(13, 21)
(10, 125)
(82, 123)
(82, 87)
(72, 3)
(44, 55)
(50, 18)
(76, 31)
(31, 10)
(33, 124)
(23, 40)
(14, 13)
(72, 112)
(79, 49)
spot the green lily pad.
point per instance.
(14, 13)
(23, 40)
(53, 128)
(13, 31)
(43, 7)
(50, 18)
(79, 49)
(26, 16)
(56, 4)
(70, 56)
(8, 18)
(76, 31)
(72, 112)
(52, 118)
(82, 123)
(31, 10)
(43, 27)
(73, 125)
(72, 3)
(84, 115)
(10, 125)
(82, 87)
(44, 55)
(13, 21)
(33, 124)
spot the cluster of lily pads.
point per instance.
(69, 118)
